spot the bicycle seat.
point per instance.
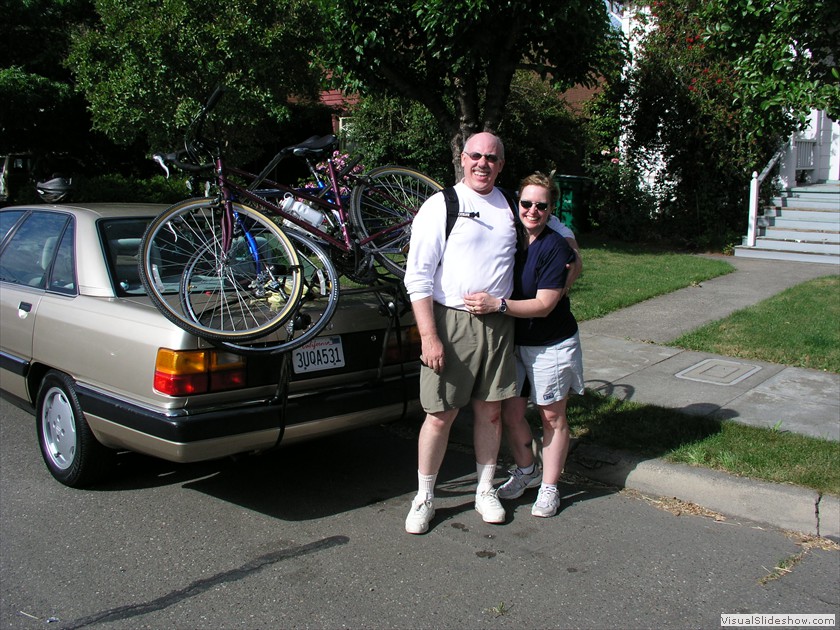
(315, 147)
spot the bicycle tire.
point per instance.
(390, 197)
(239, 294)
(317, 305)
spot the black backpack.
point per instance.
(453, 211)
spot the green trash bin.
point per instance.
(573, 203)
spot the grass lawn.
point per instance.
(798, 327)
(768, 454)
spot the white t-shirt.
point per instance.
(558, 226)
(478, 256)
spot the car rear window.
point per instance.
(121, 244)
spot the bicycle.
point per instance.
(255, 267)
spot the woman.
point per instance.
(548, 353)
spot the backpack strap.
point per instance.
(521, 235)
(453, 209)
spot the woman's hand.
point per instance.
(481, 303)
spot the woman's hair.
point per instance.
(544, 181)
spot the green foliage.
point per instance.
(146, 66)
(683, 138)
(458, 58)
(539, 132)
(786, 60)
(40, 111)
(119, 188)
(394, 130)
(714, 88)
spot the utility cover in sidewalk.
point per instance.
(719, 372)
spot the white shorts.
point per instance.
(546, 374)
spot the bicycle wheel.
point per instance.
(382, 209)
(242, 292)
(315, 309)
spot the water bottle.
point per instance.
(302, 211)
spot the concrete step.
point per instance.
(809, 247)
(770, 254)
(824, 215)
(808, 236)
(817, 196)
(786, 223)
(802, 224)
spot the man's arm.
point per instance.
(576, 267)
(431, 348)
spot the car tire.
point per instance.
(70, 450)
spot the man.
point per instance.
(466, 358)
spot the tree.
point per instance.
(147, 65)
(695, 124)
(40, 110)
(539, 131)
(458, 57)
(786, 61)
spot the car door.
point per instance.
(27, 254)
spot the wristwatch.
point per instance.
(503, 306)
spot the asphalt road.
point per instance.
(312, 537)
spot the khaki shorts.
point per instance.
(479, 360)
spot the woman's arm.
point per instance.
(540, 306)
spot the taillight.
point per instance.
(188, 372)
(404, 348)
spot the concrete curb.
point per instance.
(782, 506)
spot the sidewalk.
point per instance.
(622, 358)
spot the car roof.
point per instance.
(92, 270)
(100, 209)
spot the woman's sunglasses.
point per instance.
(541, 205)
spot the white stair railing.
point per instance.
(755, 184)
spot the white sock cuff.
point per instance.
(426, 485)
(486, 473)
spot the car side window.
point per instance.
(28, 255)
(8, 220)
(63, 275)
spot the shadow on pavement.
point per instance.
(330, 476)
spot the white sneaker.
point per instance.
(487, 504)
(518, 483)
(547, 503)
(419, 517)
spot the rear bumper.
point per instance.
(197, 435)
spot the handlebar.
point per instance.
(187, 160)
(175, 159)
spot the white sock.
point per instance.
(425, 487)
(486, 473)
(527, 470)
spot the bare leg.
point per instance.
(487, 431)
(434, 436)
(555, 440)
(518, 432)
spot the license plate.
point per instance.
(323, 353)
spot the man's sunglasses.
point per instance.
(541, 205)
(490, 157)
